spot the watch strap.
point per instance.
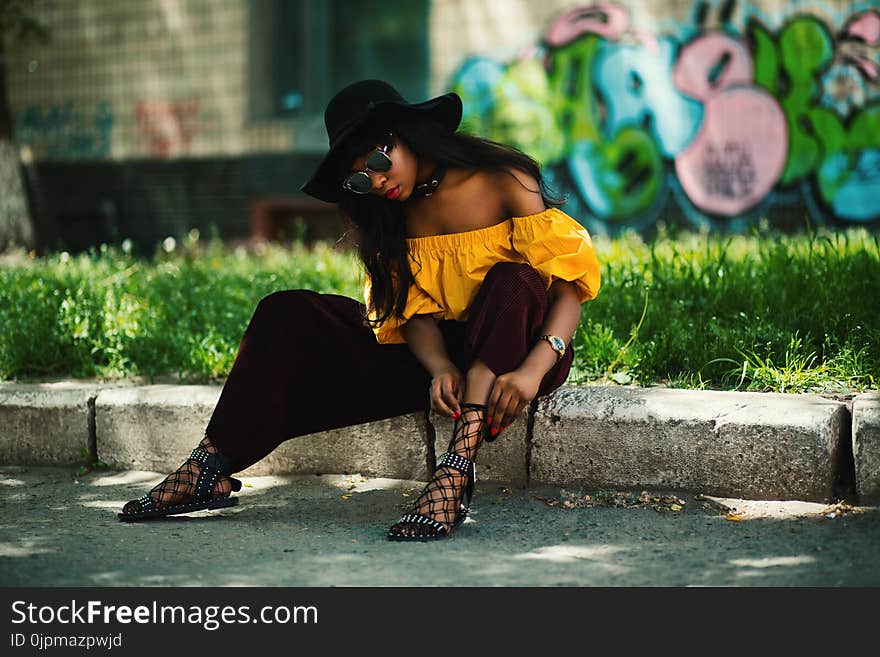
(550, 339)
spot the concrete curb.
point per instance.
(866, 446)
(731, 444)
(153, 427)
(763, 446)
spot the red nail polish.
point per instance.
(489, 421)
(494, 431)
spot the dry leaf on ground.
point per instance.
(836, 510)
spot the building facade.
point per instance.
(147, 119)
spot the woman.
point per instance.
(473, 290)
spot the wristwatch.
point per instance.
(557, 344)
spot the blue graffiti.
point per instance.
(858, 189)
(65, 131)
(638, 90)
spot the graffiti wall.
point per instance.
(67, 130)
(724, 119)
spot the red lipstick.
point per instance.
(392, 193)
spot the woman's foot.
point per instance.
(180, 486)
(441, 500)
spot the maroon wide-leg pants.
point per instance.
(308, 362)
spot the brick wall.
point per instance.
(131, 80)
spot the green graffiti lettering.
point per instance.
(864, 131)
(820, 144)
(805, 49)
(572, 89)
(524, 116)
(765, 57)
(619, 179)
(844, 148)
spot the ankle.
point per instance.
(209, 445)
(445, 471)
(469, 433)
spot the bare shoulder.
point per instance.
(521, 194)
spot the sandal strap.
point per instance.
(458, 462)
(217, 461)
(200, 455)
(204, 489)
(211, 466)
(146, 503)
(466, 467)
(419, 519)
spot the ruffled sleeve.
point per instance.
(418, 302)
(558, 247)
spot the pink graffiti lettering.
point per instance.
(741, 147)
(865, 26)
(860, 39)
(738, 154)
(868, 68)
(710, 63)
(169, 126)
(607, 20)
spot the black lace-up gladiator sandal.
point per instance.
(444, 503)
(194, 480)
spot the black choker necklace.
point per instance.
(428, 188)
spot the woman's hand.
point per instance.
(446, 387)
(511, 393)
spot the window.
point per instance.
(304, 51)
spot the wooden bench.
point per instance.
(286, 218)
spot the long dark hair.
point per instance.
(380, 225)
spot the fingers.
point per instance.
(445, 392)
(445, 404)
(519, 409)
(503, 408)
(451, 398)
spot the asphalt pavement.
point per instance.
(60, 530)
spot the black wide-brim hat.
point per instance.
(362, 103)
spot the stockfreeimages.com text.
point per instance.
(210, 617)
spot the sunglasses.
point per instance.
(378, 162)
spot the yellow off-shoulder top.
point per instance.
(453, 265)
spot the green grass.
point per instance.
(106, 314)
(762, 311)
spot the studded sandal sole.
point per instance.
(152, 514)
